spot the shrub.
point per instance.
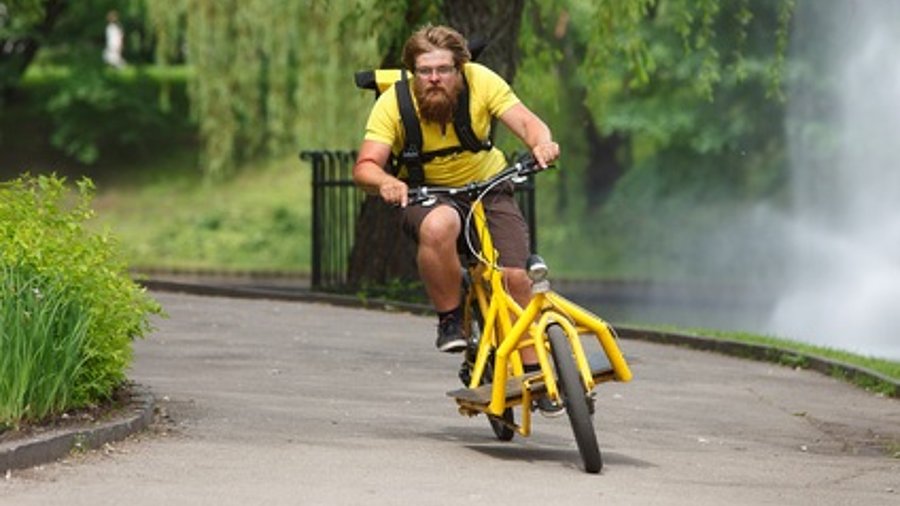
(114, 112)
(68, 309)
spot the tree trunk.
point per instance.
(495, 23)
(604, 165)
(381, 253)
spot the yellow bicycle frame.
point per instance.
(508, 328)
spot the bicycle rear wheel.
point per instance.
(575, 399)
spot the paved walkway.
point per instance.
(273, 402)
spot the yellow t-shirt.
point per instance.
(489, 96)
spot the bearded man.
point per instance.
(439, 60)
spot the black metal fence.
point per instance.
(336, 203)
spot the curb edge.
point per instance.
(56, 444)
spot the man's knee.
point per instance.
(518, 284)
(440, 226)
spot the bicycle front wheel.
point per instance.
(575, 399)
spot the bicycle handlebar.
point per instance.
(427, 195)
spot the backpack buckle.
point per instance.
(410, 155)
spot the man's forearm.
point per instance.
(369, 176)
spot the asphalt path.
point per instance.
(274, 402)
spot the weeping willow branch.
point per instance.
(269, 77)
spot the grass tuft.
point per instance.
(796, 354)
(43, 331)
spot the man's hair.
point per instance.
(428, 38)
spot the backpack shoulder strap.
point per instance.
(462, 122)
(411, 156)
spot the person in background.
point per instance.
(115, 41)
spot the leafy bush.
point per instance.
(68, 309)
(98, 116)
(98, 109)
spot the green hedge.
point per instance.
(96, 117)
(68, 309)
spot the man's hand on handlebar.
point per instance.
(394, 191)
(545, 153)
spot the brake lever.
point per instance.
(420, 196)
(528, 168)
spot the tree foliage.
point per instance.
(51, 72)
(648, 97)
(687, 98)
(264, 73)
(61, 32)
(24, 26)
(267, 73)
(662, 70)
(713, 32)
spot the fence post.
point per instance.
(315, 158)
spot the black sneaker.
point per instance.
(450, 337)
(549, 408)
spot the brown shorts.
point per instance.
(505, 222)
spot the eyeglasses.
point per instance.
(442, 71)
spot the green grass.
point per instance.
(42, 341)
(174, 219)
(796, 350)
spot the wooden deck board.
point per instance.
(600, 368)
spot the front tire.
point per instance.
(575, 399)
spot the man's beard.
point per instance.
(437, 104)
